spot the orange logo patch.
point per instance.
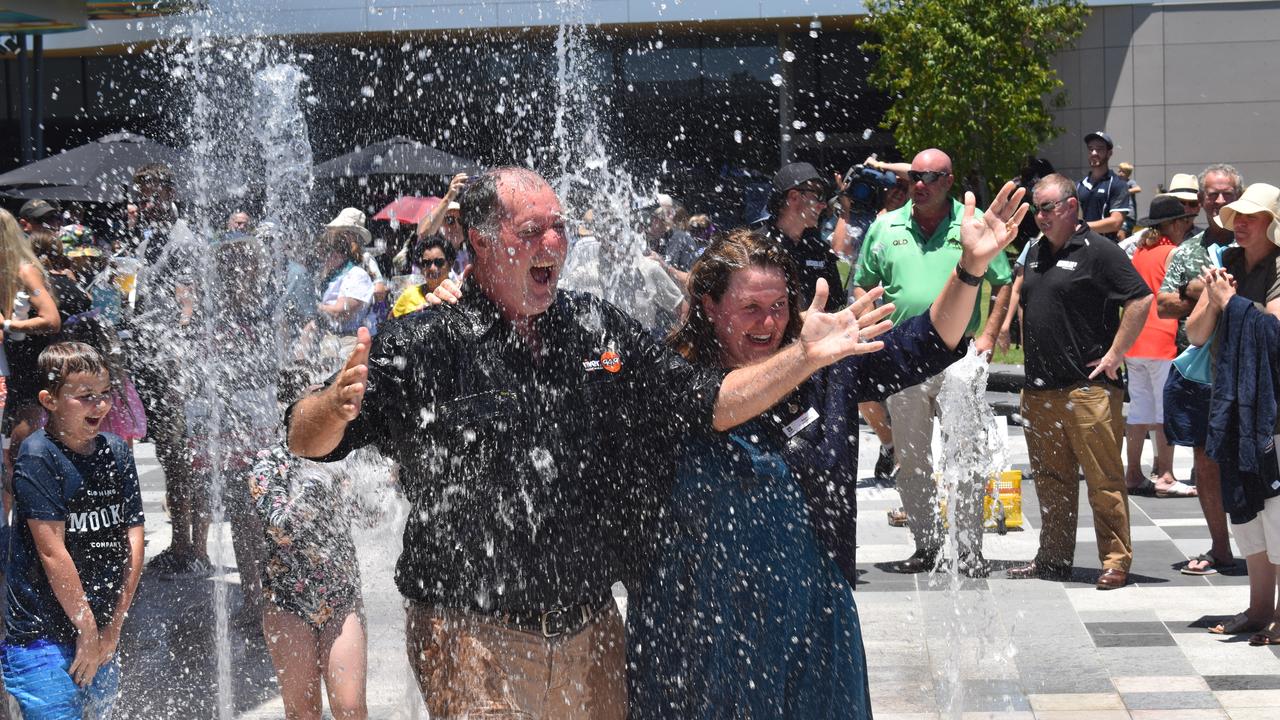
(610, 361)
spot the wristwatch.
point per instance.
(966, 277)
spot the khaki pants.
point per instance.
(467, 666)
(912, 411)
(1076, 429)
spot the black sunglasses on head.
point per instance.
(928, 177)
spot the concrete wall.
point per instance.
(1178, 87)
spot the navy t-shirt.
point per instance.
(97, 496)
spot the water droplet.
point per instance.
(737, 136)
(789, 56)
(820, 136)
(367, 91)
(776, 79)
(658, 45)
(866, 134)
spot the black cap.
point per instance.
(1163, 209)
(1100, 135)
(33, 210)
(793, 175)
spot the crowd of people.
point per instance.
(571, 400)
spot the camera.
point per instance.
(863, 185)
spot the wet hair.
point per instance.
(1237, 180)
(62, 360)
(15, 250)
(1055, 180)
(741, 248)
(481, 203)
(153, 173)
(435, 241)
(48, 248)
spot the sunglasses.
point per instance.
(1048, 207)
(435, 262)
(450, 220)
(928, 177)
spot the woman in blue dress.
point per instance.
(748, 610)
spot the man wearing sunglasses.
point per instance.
(799, 196)
(912, 252)
(1187, 402)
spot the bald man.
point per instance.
(912, 252)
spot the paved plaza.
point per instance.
(1020, 649)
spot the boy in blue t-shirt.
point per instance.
(76, 553)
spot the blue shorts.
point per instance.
(1186, 410)
(36, 676)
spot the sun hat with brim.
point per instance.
(352, 219)
(1184, 186)
(1164, 208)
(1257, 198)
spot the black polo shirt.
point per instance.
(527, 469)
(1099, 199)
(1071, 304)
(814, 259)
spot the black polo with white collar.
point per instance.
(1071, 302)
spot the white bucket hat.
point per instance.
(352, 219)
(1184, 186)
(1257, 198)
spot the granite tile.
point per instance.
(1184, 714)
(1232, 699)
(1243, 682)
(1075, 701)
(1129, 660)
(1169, 700)
(1163, 683)
(1161, 640)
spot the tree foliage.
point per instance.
(973, 77)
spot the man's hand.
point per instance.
(1109, 364)
(1004, 340)
(447, 292)
(984, 346)
(88, 658)
(346, 394)
(828, 337)
(984, 237)
(1220, 286)
(108, 641)
(457, 183)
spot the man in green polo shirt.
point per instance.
(911, 252)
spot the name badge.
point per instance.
(1067, 264)
(815, 263)
(795, 426)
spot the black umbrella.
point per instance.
(100, 171)
(397, 156)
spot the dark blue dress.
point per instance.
(746, 615)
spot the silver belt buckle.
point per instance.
(546, 616)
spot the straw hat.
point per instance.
(1184, 186)
(352, 219)
(1257, 198)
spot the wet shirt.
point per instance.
(1071, 303)
(913, 268)
(814, 259)
(528, 468)
(97, 496)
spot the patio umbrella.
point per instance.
(61, 193)
(102, 170)
(408, 209)
(397, 156)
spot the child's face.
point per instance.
(76, 411)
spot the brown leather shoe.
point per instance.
(1111, 578)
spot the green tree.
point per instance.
(973, 77)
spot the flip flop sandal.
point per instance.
(1269, 636)
(1178, 489)
(1213, 566)
(897, 517)
(1238, 625)
(1146, 489)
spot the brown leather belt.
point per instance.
(554, 622)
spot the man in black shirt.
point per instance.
(1074, 286)
(799, 196)
(1103, 196)
(533, 429)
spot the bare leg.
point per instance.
(1164, 458)
(878, 419)
(1209, 485)
(1134, 437)
(345, 667)
(1262, 587)
(294, 649)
